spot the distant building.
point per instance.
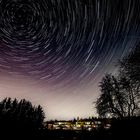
(79, 124)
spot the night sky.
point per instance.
(55, 52)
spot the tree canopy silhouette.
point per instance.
(20, 116)
(130, 65)
(120, 95)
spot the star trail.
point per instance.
(65, 44)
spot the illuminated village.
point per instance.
(78, 124)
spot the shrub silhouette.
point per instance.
(20, 117)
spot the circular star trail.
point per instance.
(65, 42)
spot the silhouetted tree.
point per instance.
(120, 97)
(20, 116)
(130, 72)
(112, 100)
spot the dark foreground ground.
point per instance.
(74, 135)
(120, 130)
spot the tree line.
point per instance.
(20, 117)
